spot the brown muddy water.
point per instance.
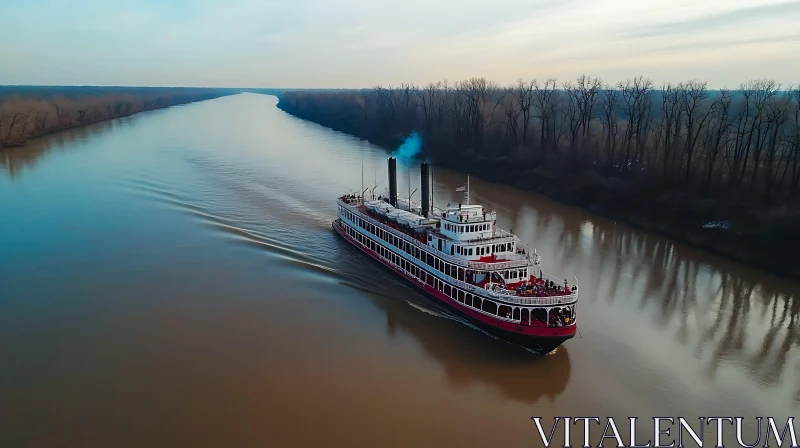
(171, 279)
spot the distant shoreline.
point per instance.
(597, 196)
(28, 112)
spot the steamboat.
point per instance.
(459, 257)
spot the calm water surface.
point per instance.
(172, 279)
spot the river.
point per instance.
(172, 279)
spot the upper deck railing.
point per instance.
(504, 296)
(477, 265)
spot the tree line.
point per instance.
(27, 112)
(677, 135)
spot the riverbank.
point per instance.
(33, 111)
(759, 233)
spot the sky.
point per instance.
(363, 43)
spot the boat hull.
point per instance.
(540, 340)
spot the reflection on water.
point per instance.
(722, 311)
(469, 355)
(15, 160)
(170, 252)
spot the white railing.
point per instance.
(507, 297)
(496, 316)
(502, 233)
(466, 218)
(493, 239)
(449, 258)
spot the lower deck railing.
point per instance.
(468, 289)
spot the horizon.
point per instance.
(357, 44)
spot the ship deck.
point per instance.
(534, 286)
(422, 237)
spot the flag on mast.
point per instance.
(464, 188)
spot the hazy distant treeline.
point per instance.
(30, 111)
(679, 136)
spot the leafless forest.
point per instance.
(651, 155)
(680, 135)
(27, 112)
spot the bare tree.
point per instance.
(610, 99)
(523, 93)
(720, 127)
(545, 103)
(696, 119)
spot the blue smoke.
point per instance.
(410, 148)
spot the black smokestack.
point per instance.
(426, 189)
(393, 181)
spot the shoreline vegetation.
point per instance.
(716, 169)
(27, 112)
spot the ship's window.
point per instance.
(447, 289)
(504, 311)
(468, 299)
(539, 315)
(429, 279)
(489, 306)
(461, 296)
(461, 274)
(525, 316)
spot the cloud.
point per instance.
(782, 39)
(721, 19)
(359, 43)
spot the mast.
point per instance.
(362, 180)
(467, 189)
(409, 188)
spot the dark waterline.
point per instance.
(171, 279)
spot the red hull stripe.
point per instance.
(522, 330)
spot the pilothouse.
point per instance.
(458, 256)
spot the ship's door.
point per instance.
(440, 244)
